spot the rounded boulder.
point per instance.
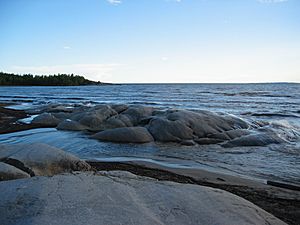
(125, 135)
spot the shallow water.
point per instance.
(271, 162)
(277, 104)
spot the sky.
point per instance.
(153, 41)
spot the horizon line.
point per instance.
(265, 82)
(145, 83)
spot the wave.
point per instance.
(16, 96)
(274, 115)
(255, 94)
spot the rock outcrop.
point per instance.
(71, 125)
(94, 117)
(166, 130)
(46, 119)
(122, 198)
(40, 159)
(261, 139)
(173, 125)
(125, 135)
(8, 172)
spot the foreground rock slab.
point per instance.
(121, 198)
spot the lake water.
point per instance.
(278, 104)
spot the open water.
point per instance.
(277, 104)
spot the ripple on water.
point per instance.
(271, 162)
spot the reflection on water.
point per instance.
(272, 162)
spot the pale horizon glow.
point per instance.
(157, 41)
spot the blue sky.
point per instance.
(153, 40)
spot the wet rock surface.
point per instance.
(121, 198)
(9, 118)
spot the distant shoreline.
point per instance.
(10, 79)
(120, 84)
(80, 85)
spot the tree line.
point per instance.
(45, 80)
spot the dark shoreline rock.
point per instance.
(9, 121)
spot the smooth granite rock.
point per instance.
(71, 125)
(116, 121)
(8, 172)
(137, 113)
(93, 118)
(204, 123)
(119, 108)
(62, 115)
(253, 140)
(125, 135)
(41, 159)
(122, 198)
(127, 117)
(179, 125)
(169, 131)
(172, 125)
(208, 141)
(230, 135)
(46, 119)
